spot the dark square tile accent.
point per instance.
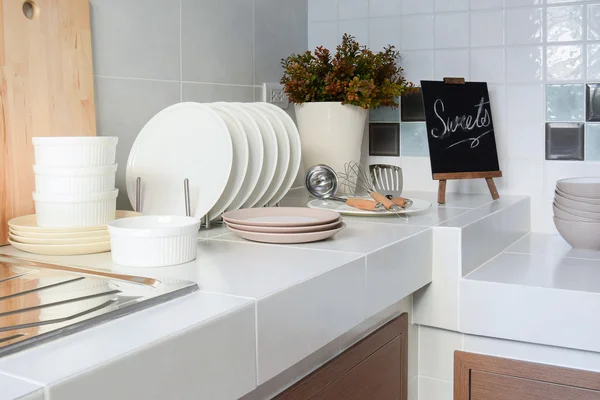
(565, 141)
(384, 140)
(412, 108)
(593, 101)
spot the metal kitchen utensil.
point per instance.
(387, 178)
(322, 183)
(41, 301)
(355, 177)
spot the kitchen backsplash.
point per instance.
(540, 58)
(149, 54)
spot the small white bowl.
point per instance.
(65, 180)
(154, 241)
(74, 151)
(580, 235)
(580, 187)
(588, 216)
(75, 210)
(576, 205)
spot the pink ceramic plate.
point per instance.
(287, 238)
(280, 216)
(285, 229)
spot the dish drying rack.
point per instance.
(205, 222)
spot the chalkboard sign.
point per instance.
(460, 130)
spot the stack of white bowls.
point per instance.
(577, 212)
(74, 181)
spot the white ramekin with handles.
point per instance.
(82, 180)
(75, 210)
(74, 151)
(154, 241)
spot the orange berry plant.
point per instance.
(354, 75)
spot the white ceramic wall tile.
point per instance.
(353, 9)
(451, 5)
(389, 282)
(487, 28)
(384, 32)
(451, 30)
(229, 344)
(525, 103)
(524, 64)
(417, 6)
(436, 352)
(565, 103)
(564, 24)
(437, 303)
(484, 4)
(418, 65)
(123, 106)
(430, 388)
(593, 62)
(487, 64)
(13, 388)
(322, 10)
(524, 25)
(384, 8)
(290, 323)
(526, 140)
(417, 32)
(231, 60)
(451, 63)
(359, 28)
(127, 46)
(593, 22)
(564, 63)
(323, 34)
(208, 92)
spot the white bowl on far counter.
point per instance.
(74, 151)
(75, 210)
(63, 180)
(580, 235)
(154, 241)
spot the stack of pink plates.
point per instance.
(283, 224)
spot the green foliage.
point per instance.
(354, 75)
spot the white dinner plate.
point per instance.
(239, 163)
(283, 153)
(46, 241)
(27, 225)
(287, 238)
(256, 154)
(295, 151)
(270, 155)
(62, 249)
(183, 141)
(344, 209)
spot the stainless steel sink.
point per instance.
(41, 301)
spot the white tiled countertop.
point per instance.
(260, 309)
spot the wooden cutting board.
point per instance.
(46, 89)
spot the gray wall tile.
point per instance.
(280, 29)
(217, 41)
(138, 39)
(123, 106)
(207, 92)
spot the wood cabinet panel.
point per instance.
(488, 386)
(374, 368)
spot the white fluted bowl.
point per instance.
(74, 151)
(580, 235)
(581, 187)
(154, 241)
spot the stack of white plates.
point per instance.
(26, 235)
(283, 224)
(234, 155)
(577, 212)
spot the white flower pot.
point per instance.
(331, 133)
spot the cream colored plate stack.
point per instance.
(577, 212)
(26, 235)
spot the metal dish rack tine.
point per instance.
(186, 194)
(138, 194)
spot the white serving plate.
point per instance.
(256, 154)
(28, 224)
(186, 140)
(295, 152)
(283, 153)
(344, 209)
(287, 238)
(239, 167)
(280, 216)
(270, 156)
(62, 250)
(60, 241)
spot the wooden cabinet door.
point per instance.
(487, 386)
(480, 377)
(375, 368)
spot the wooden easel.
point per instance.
(488, 176)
